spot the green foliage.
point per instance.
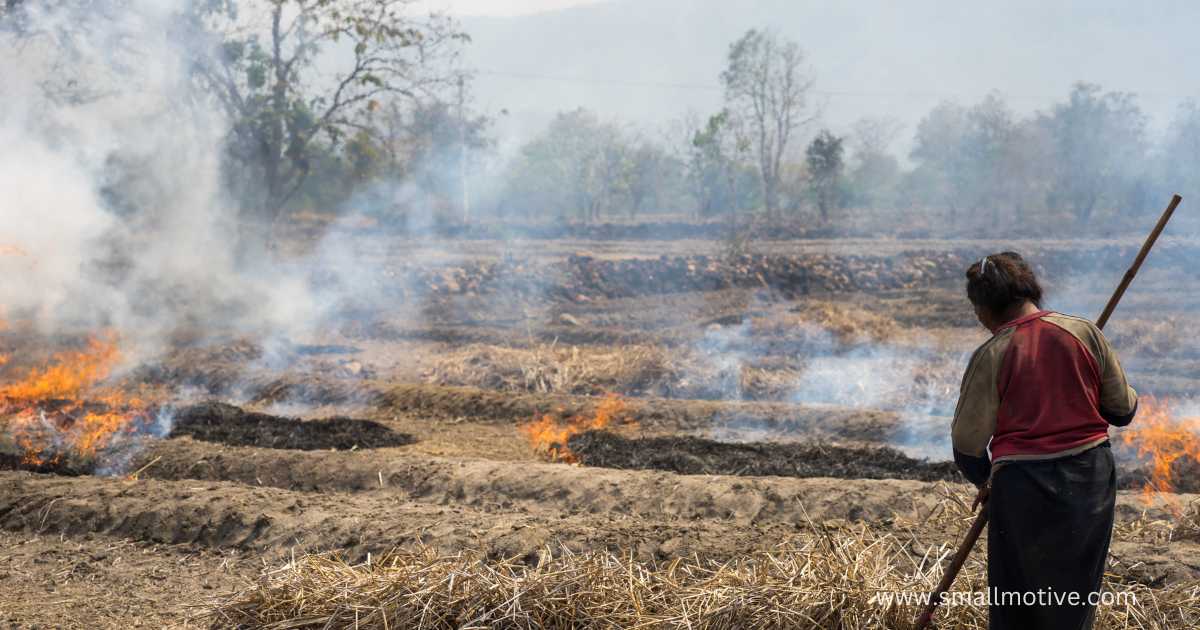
(988, 167)
(657, 179)
(874, 180)
(586, 169)
(824, 158)
(287, 116)
(717, 173)
(1096, 137)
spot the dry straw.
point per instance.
(551, 368)
(848, 323)
(635, 369)
(827, 577)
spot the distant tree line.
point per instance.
(978, 168)
(362, 105)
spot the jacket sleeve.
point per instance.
(975, 469)
(1118, 401)
(975, 415)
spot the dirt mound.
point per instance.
(778, 420)
(540, 487)
(227, 515)
(788, 274)
(585, 278)
(218, 422)
(697, 456)
(9, 461)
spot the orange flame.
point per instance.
(62, 409)
(1161, 439)
(549, 435)
(68, 376)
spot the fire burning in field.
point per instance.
(1163, 441)
(550, 434)
(64, 411)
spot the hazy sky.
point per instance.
(504, 7)
(651, 61)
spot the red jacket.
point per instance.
(1044, 386)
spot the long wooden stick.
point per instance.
(1137, 262)
(968, 543)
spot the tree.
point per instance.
(1099, 142)
(824, 158)
(767, 91)
(1181, 149)
(942, 170)
(982, 163)
(579, 166)
(656, 178)
(282, 106)
(717, 175)
(991, 154)
(875, 173)
(425, 144)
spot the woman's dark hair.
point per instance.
(1000, 281)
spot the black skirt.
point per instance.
(1051, 522)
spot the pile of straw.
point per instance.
(551, 368)
(831, 577)
(847, 323)
(628, 370)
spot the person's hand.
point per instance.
(982, 496)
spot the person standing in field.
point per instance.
(1040, 396)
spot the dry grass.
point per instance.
(829, 576)
(849, 324)
(1158, 337)
(744, 367)
(1171, 521)
(831, 579)
(627, 370)
(551, 368)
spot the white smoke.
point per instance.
(111, 172)
(918, 379)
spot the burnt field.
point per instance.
(743, 434)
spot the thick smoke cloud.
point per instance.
(111, 172)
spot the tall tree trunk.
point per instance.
(771, 196)
(273, 149)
